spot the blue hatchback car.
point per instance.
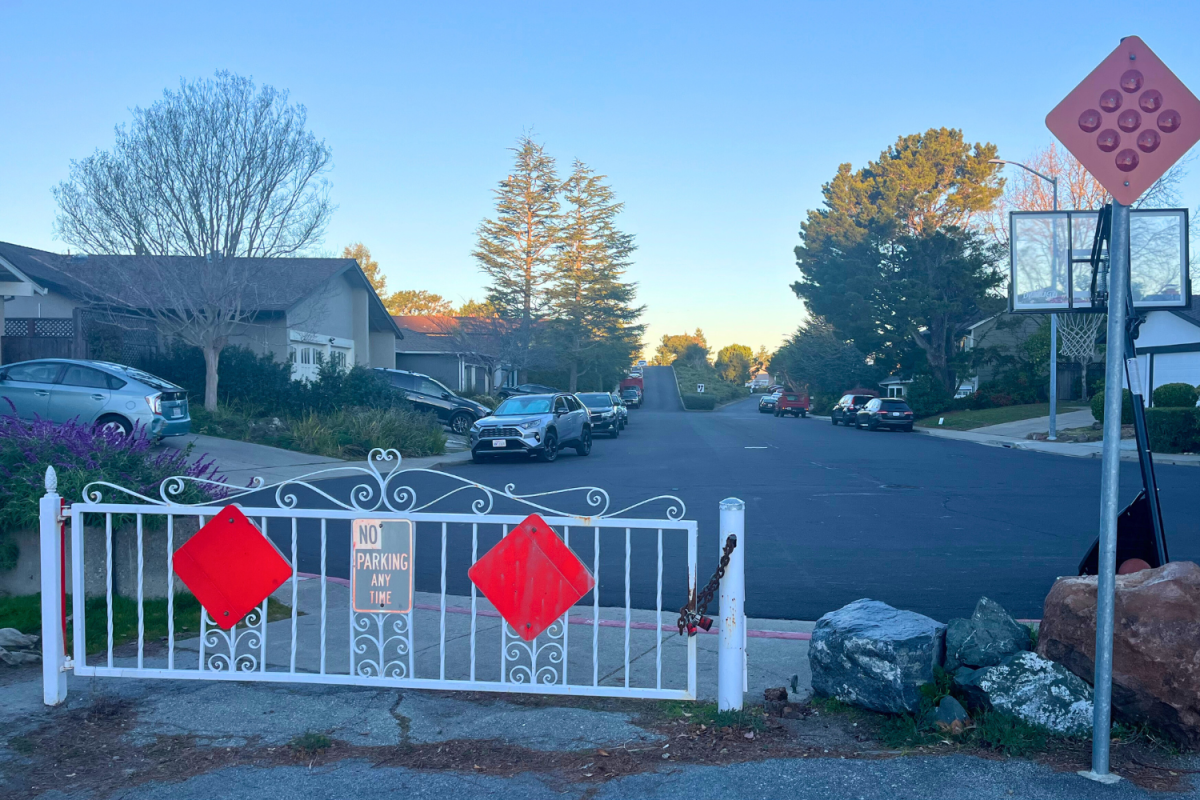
(112, 396)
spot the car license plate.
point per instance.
(895, 413)
(499, 443)
(177, 412)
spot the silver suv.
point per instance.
(536, 424)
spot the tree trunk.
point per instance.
(574, 377)
(1083, 381)
(212, 356)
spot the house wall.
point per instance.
(329, 311)
(268, 335)
(439, 366)
(383, 349)
(1164, 329)
(361, 325)
(51, 304)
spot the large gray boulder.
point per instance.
(986, 639)
(874, 656)
(1036, 691)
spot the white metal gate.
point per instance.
(451, 639)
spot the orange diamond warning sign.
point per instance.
(1129, 121)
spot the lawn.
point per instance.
(969, 420)
(25, 614)
(716, 391)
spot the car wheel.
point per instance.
(585, 444)
(907, 428)
(615, 432)
(872, 426)
(113, 423)
(461, 423)
(550, 448)
(833, 419)
(804, 415)
(857, 427)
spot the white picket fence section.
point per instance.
(451, 639)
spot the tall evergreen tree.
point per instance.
(516, 248)
(592, 317)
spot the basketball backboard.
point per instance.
(1050, 260)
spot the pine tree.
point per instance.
(516, 249)
(592, 318)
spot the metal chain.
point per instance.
(692, 615)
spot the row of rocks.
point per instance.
(877, 657)
(18, 648)
(872, 655)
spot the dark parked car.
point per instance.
(631, 397)
(605, 414)
(846, 410)
(885, 412)
(539, 425)
(426, 394)
(525, 388)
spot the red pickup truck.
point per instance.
(792, 402)
(633, 383)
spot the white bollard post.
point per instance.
(54, 678)
(731, 646)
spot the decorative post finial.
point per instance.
(51, 481)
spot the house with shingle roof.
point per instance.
(305, 310)
(466, 354)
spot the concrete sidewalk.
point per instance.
(1021, 429)
(1072, 449)
(240, 462)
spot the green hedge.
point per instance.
(699, 402)
(1175, 395)
(1126, 407)
(1174, 430)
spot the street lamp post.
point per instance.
(1053, 434)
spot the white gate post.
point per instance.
(731, 646)
(54, 676)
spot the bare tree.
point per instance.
(219, 170)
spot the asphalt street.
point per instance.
(835, 514)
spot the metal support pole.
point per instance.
(1053, 434)
(1053, 378)
(1110, 487)
(54, 677)
(731, 647)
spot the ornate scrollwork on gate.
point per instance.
(523, 661)
(378, 642)
(247, 633)
(386, 487)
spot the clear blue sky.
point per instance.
(717, 123)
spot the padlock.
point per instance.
(706, 623)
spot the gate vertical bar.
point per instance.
(1110, 487)
(731, 652)
(141, 595)
(54, 679)
(78, 599)
(108, 583)
(295, 605)
(324, 595)
(692, 588)
(170, 591)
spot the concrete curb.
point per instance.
(1069, 449)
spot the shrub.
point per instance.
(926, 396)
(1175, 395)
(1173, 430)
(81, 454)
(486, 400)
(258, 385)
(699, 402)
(1126, 407)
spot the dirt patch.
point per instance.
(85, 748)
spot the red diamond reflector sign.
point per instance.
(230, 566)
(531, 577)
(1129, 121)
